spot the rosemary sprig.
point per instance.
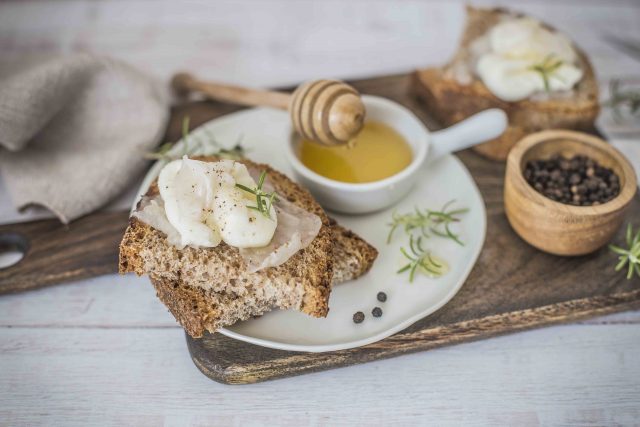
(546, 68)
(428, 221)
(197, 146)
(419, 258)
(618, 99)
(264, 201)
(629, 257)
(237, 152)
(161, 153)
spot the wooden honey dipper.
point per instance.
(326, 111)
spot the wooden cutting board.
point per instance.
(513, 286)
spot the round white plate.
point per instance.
(263, 133)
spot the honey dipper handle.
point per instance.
(185, 83)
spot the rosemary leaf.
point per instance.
(422, 220)
(425, 221)
(629, 257)
(403, 269)
(623, 261)
(546, 69)
(264, 201)
(201, 146)
(245, 188)
(420, 260)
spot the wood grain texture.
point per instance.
(228, 361)
(185, 84)
(240, 42)
(56, 253)
(572, 375)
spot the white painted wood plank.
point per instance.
(122, 301)
(107, 301)
(627, 317)
(571, 375)
(274, 42)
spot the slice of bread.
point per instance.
(207, 288)
(448, 100)
(199, 310)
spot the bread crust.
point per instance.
(352, 255)
(181, 277)
(193, 309)
(449, 101)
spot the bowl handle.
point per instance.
(480, 127)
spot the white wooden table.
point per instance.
(105, 351)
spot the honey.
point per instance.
(377, 152)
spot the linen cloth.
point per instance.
(74, 130)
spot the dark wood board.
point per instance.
(57, 253)
(513, 286)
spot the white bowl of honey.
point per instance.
(378, 168)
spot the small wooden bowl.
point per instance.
(555, 227)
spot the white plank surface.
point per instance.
(271, 42)
(571, 375)
(105, 351)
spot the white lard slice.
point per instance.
(295, 231)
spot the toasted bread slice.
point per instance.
(352, 255)
(199, 310)
(449, 100)
(206, 288)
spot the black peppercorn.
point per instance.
(358, 317)
(382, 297)
(574, 178)
(578, 181)
(377, 312)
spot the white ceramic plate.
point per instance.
(263, 133)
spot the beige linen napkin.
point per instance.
(73, 131)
